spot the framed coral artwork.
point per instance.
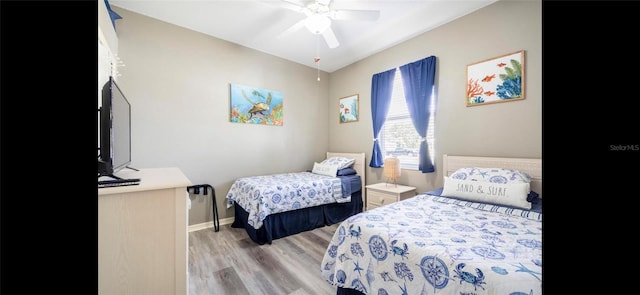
(349, 109)
(498, 79)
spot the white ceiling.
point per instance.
(256, 24)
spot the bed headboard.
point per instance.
(359, 166)
(531, 166)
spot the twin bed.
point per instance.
(270, 207)
(432, 244)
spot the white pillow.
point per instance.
(342, 162)
(512, 194)
(325, 169)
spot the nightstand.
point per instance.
(380, 194)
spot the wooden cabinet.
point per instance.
(142, 234)
(380, 194)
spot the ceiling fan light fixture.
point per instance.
(317, 24)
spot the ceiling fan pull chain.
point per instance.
(317, 58)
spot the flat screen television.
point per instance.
(114, 146)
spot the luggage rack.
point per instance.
(195, 189)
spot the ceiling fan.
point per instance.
(319, 15)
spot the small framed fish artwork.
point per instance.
(349, 109)
(252, 105)
(498, 79)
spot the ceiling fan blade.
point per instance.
(297, 26)
(294, 5)
(330, 38)
(349, 14)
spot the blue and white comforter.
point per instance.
(436, 245)
(268, 194)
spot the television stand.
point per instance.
(117, 178)
(111, 175)
(132, 168)
(118, 182)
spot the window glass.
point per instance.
(398, 137)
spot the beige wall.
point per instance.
(178, 83)
(512, 129)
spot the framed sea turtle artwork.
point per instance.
(349, 109)
(253, 105)
(498, 79)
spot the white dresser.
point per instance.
(142, 234)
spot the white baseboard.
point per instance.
(201, 226)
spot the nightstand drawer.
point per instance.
(381, 194)
(377, 199)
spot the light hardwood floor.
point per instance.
(229, 262)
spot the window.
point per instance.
(398, 137)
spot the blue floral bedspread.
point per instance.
(263, 195)
(437, 245)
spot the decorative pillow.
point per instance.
(536, 204)
(513, 194)
(325, 169)
(347, 171)
(342, 162)
(495, 175)
(533, 197)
